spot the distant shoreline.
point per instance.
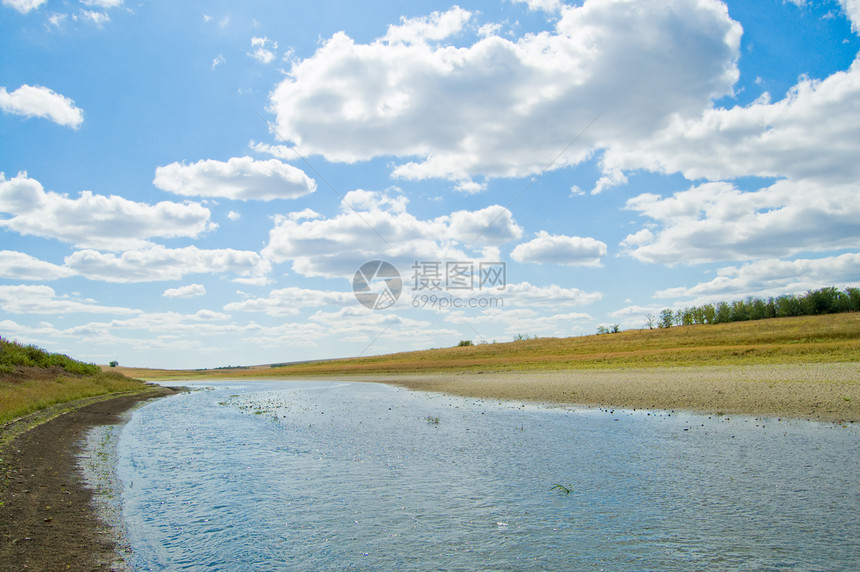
(818, 392)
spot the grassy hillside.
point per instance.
(32, 379)
(807, 339)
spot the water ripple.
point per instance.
(321, 476)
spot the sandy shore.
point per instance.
(818, 392)
(47, 517)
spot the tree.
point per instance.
(739, 311)
(758, 309)
(650, 320)
(114, 363)
(853, 299)
(666, 318)
(787, 306)
(709, 313)
(724, 313)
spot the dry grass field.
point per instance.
(829, 338)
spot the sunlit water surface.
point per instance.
(269, 475)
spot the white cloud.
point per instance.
(95, 221)
(39, 101)
(810, 135)
(611, 178)
(158, 263)
(23, 6)
(375, 225)
(289, 301)
(173, 327)
(217, 61)
(436, 26)
(517, 321)
(636, 316)
(852, 10)
(638, 238)
(560, 249)
(356, 323)
(26, 299)
(550, 6)
(240, 178)
(263, 49)
(21, 266)
(717, 221)
(103, 4)
(773, 277)
(56, 19)
(501, 108)
(189, 291)
(527, 295)
(233, 215)
(97, 18)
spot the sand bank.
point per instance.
(819, 392)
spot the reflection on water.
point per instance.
(348, 476)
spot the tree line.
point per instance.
(828, 300)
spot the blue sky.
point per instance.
(195, 184)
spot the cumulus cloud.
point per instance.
(158, 263)
(436, 26)
(189, 291)
(21, 266)
(852, 10)
(27, 299)
(290, 301)
(263, 49)
(103, 4)
(528, 295)
(94, 221)
(375, 225)
(518, 321)
(97, 18)
(551, 6)
(23, 6)
(773, 277)
(503, 108)
(560, 249)
(39, 101)
(809, 135)
(717, 221)
(354, 323)
(239, 178)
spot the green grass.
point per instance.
(14, 354)
(19, 399)
(32, 379)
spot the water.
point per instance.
(349, 476)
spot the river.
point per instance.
(318, 475)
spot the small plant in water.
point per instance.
(565, 489)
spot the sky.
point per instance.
(209, 183)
